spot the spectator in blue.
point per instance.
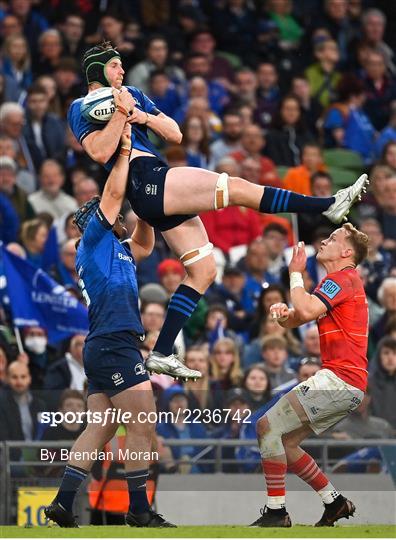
(275, 357)
(9, 90)
(272, 294)
(164, 93)
(236, 412)
(314, 268)
(44, 131)
(255, 265)
(198, 66)
(65, 270)
(257, 386)
(9, 221)
(179, 426)
(268, 94)
(34, 235)
(234, 25)
(270, 327)
(16, 195)
(16, 62)
(217, 326)
(346, 125)
(378, 262)
(388, 134)
(33, 22)
(10, 25)
(196, 141)
(380, 89)
(231, 293)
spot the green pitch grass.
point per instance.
(298, 531)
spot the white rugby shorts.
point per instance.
(327, 399)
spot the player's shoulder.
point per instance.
(75, 105)
(335, 282)
(137, 94)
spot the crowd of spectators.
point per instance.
(281, 93)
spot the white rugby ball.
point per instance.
(98, 106)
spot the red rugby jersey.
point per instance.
(343, 329)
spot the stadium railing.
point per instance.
(15, 473)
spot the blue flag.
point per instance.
(37, 300)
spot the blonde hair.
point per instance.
(30, 228)
(358, 240)
(7, 45)
(235, 373)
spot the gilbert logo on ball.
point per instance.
(98, 106)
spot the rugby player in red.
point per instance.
(339, 306)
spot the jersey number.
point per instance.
(86, 297)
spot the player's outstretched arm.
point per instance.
(165, 127)
(162, 125)
(142, 240)
(307, 306)
(101, 145)
(114, 190)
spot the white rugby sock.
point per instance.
(328, 494)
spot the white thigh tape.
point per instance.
(195, 255)
(221, 198)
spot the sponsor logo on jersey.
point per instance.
(117, 379)
(125, 257)
(151, 189)
(314, 410)
(330, 288)
(140, 369)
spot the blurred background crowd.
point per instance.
(300, 95)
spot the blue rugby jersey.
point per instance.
(82, 127)
(107, 278)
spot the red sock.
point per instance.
(275, 476)
(307, 469)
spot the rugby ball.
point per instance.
(98, 106)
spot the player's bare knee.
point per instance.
(262, 427)
(236, 189)
(101, 433)
(203, 272)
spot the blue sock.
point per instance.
(276, 200)
(181, 307)
(71, 481)
(138, 502)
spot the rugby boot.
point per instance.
(338, 509)
(345, 198)
(272, 518)
(55, 512)
(147, 519)
(170, 365)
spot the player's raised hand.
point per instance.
(123, 99)
(279, 312)
(299, 259)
